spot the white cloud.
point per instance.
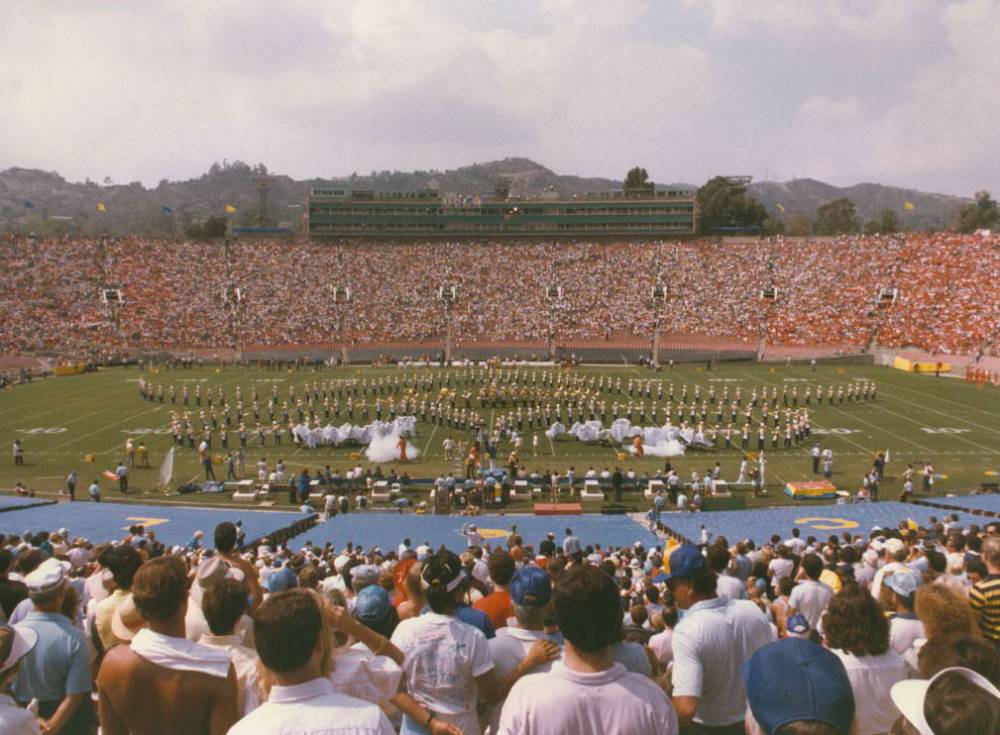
(897, 90)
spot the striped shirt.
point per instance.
(984, 598)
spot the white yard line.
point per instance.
(101, 430)
(429, 439)
(883, 429)
(966, 406)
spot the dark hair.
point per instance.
(812, 565)
(976, 566)
(806, 727)
(160, 587)
(225, 537)
(786, 585)
(954, 704)
(501, 566)
(28, 561)
(223, 604)
(6, 557)
(438, 572)
(123, 562)
(718, 557)
(854, 623)
(971, 652)
(704, 582)
(586, 607)
(286, 629)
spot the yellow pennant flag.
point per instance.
(909, 206)
(781, 208)
(230, 208)
(101, 207)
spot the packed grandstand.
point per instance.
(179, 295)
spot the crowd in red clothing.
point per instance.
(176, 292)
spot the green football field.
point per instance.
(953, 424)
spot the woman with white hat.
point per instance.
(16, 642)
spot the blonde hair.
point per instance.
(944, 613)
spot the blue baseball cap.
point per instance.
(283, 579)
(530, 587)
(797, 625)
(904, 583)
(795, 679)
(372, 604)
(685, 561)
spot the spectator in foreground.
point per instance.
(796, 686)
(291, 641)
(497, 604)
(57, 671)
(587, 693)
(955, 700)
(447, 662)
(223, 604)
(984, 597)
(530, 593)
(162, 683)
(858, 633)
(710, 644)
(16, 642)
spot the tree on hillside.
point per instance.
(982, 214)
(213, 227)
(722, 204)
(637, 182)
(836, 218)
(887, 222)
(797, 224)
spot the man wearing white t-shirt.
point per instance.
(796, 543)
(530, 591)
(587, 693)
(895, 554)
(288, 628)
(904, 627)
(710, 644)
(810, 596)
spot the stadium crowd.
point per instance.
(183, 295)
(894, 631)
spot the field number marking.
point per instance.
(145, 522)
(826, 524)
(162, 430)
(840, 432)
(53, 430)
(943, 430)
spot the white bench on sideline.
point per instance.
(381, 492)
(591, 490)
(520, 490)
(653, 487)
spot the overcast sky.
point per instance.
(902, 92)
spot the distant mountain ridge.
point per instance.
(58, 206)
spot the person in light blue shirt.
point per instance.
(57, 671)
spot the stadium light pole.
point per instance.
(658, 299)
(448, 296)
(341, 299)
(554, 293)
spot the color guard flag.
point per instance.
(166, 210)
(908, 206)
(101, 207)
(230, 208)
(167, 468)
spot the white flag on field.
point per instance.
(167, 468)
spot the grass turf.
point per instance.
(917, 417)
